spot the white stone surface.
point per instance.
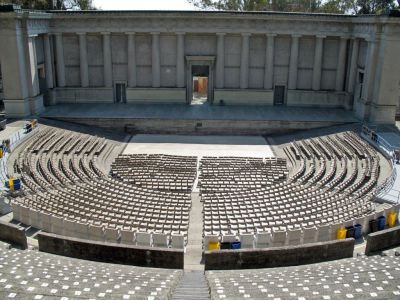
(238, 146)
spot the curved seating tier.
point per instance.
(375, 277)
(331, 183)
(41, 275)
(218, 174)
(108, 209)
(55, 157)
(157, 171)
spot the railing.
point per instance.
(371, 135)
(15, 139)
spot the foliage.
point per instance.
(319, 6)
(52, 4)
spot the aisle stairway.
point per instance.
(192, 286)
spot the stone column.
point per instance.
(180, 59)
(353, 65)
(35, 90)
(155, 60)
(294, 61)
(83, 60)
(220, 63)
(244, 61)
(369, 71)
(319, 45)
(341, 64)
(131, 60)
(48, 62)
(60, 60)
(269, 62)
(107, 59)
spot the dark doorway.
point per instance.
(200, 77)
(279, 95)
(120, 93)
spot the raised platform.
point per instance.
(199, 119)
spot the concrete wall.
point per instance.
(279, 256)
(156, 95)
(244, 97)
(13, 234)
(381, 240)
(84, 95)
(318, 99)
(111, 253)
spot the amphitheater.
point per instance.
(122, 180)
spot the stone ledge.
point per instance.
(381, 240)
(111, 253)
(278, 256)
(13, 234)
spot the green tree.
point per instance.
(320, 6)
(53, 4)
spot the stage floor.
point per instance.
(199, 112)
(238, 146)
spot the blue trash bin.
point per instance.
(236, 245)
(357, 231)
(381, 222)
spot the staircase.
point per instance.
(193, 286)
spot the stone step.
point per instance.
(192, 285)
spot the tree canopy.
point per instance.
(53, 4)
(317, 6)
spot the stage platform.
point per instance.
(189, 145)
(199, 119)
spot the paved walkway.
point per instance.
(201, 112)
(194, 251)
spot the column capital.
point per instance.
(180, 32)
(105, 33)
(155, 33)
(130, 32)
(246, 34)
(296, 35)
(81, 33)
(220, 33)
(271, 35)
(57, 33)
(344, 37)
(32, 35)
(320, 36)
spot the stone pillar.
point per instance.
(244, 61)
(294, 61)
(369, 71)
(155, 60)
(107, 59)
(35, 89)
(60, 60)
(220, 63)
(180, 59)
(341, 64)
(131, 60)
(269, 62)
(317, 71)
(84, 68)
(353, 65)
(48, 62)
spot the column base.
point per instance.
(36, 105)
(20, 108)
(17, 108)
(383, 114)
(361, 109)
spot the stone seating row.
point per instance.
(69, 227)
(277, 237)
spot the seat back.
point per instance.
(247, 240)
(143, 239)
(263, 239)
(160, 240)
(310, 235)
(177, 241)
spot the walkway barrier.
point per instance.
(278, 256)
(13, 234)
(383, 240)
(110, 252)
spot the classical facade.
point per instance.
(248, 58)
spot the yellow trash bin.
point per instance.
(341, 233)
(213, 246)
(391, 219)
